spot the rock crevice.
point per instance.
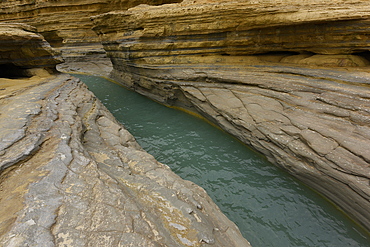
(87, 181)
(71, 175)
(290, 79)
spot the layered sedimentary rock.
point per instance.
(269, 73)
(66, 24)
(237, 28)
(71, 175)
(24, 52)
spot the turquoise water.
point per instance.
(270, 207)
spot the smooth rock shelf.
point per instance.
(270, 207)
(288, 78)
(72, 175)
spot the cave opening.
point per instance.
(53, 38)
(364, 54)
(279, 53)
(12, 71)
(162, 2)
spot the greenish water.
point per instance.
(270, 207)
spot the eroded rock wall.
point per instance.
(70, 174)
(66, 24)
(269, 73)
(164, 34)
(23, 52)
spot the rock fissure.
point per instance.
(272, 80)
(288, 78)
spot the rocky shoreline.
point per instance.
(317, 133)
(290, 80)
(75, 176)
(71, 175)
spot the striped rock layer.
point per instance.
(289, 78)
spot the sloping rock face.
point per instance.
(72, 175)
(23, 51)
(268, 72)
(66, 24)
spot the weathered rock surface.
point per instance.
(71, 175)
(251, 67)
(100, 67)
(66, 24)
(155, 34)
(23, 52)
(239, 63)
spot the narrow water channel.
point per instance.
(270, 207)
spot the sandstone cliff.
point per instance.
(71, 175)
(66, 24)
(76, 177)
(24, 52)
(246, 65)
(268, 72)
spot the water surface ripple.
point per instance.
(270, 207)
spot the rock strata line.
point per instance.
(86, 182)
(312, 123)
(290, 79)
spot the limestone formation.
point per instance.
(155, 34)
(289, 78)
(66, 24)
(24, 52)
(71, 175)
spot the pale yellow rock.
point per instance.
(24, 52)
(239, 27)
(335, 61)
(66, 23)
